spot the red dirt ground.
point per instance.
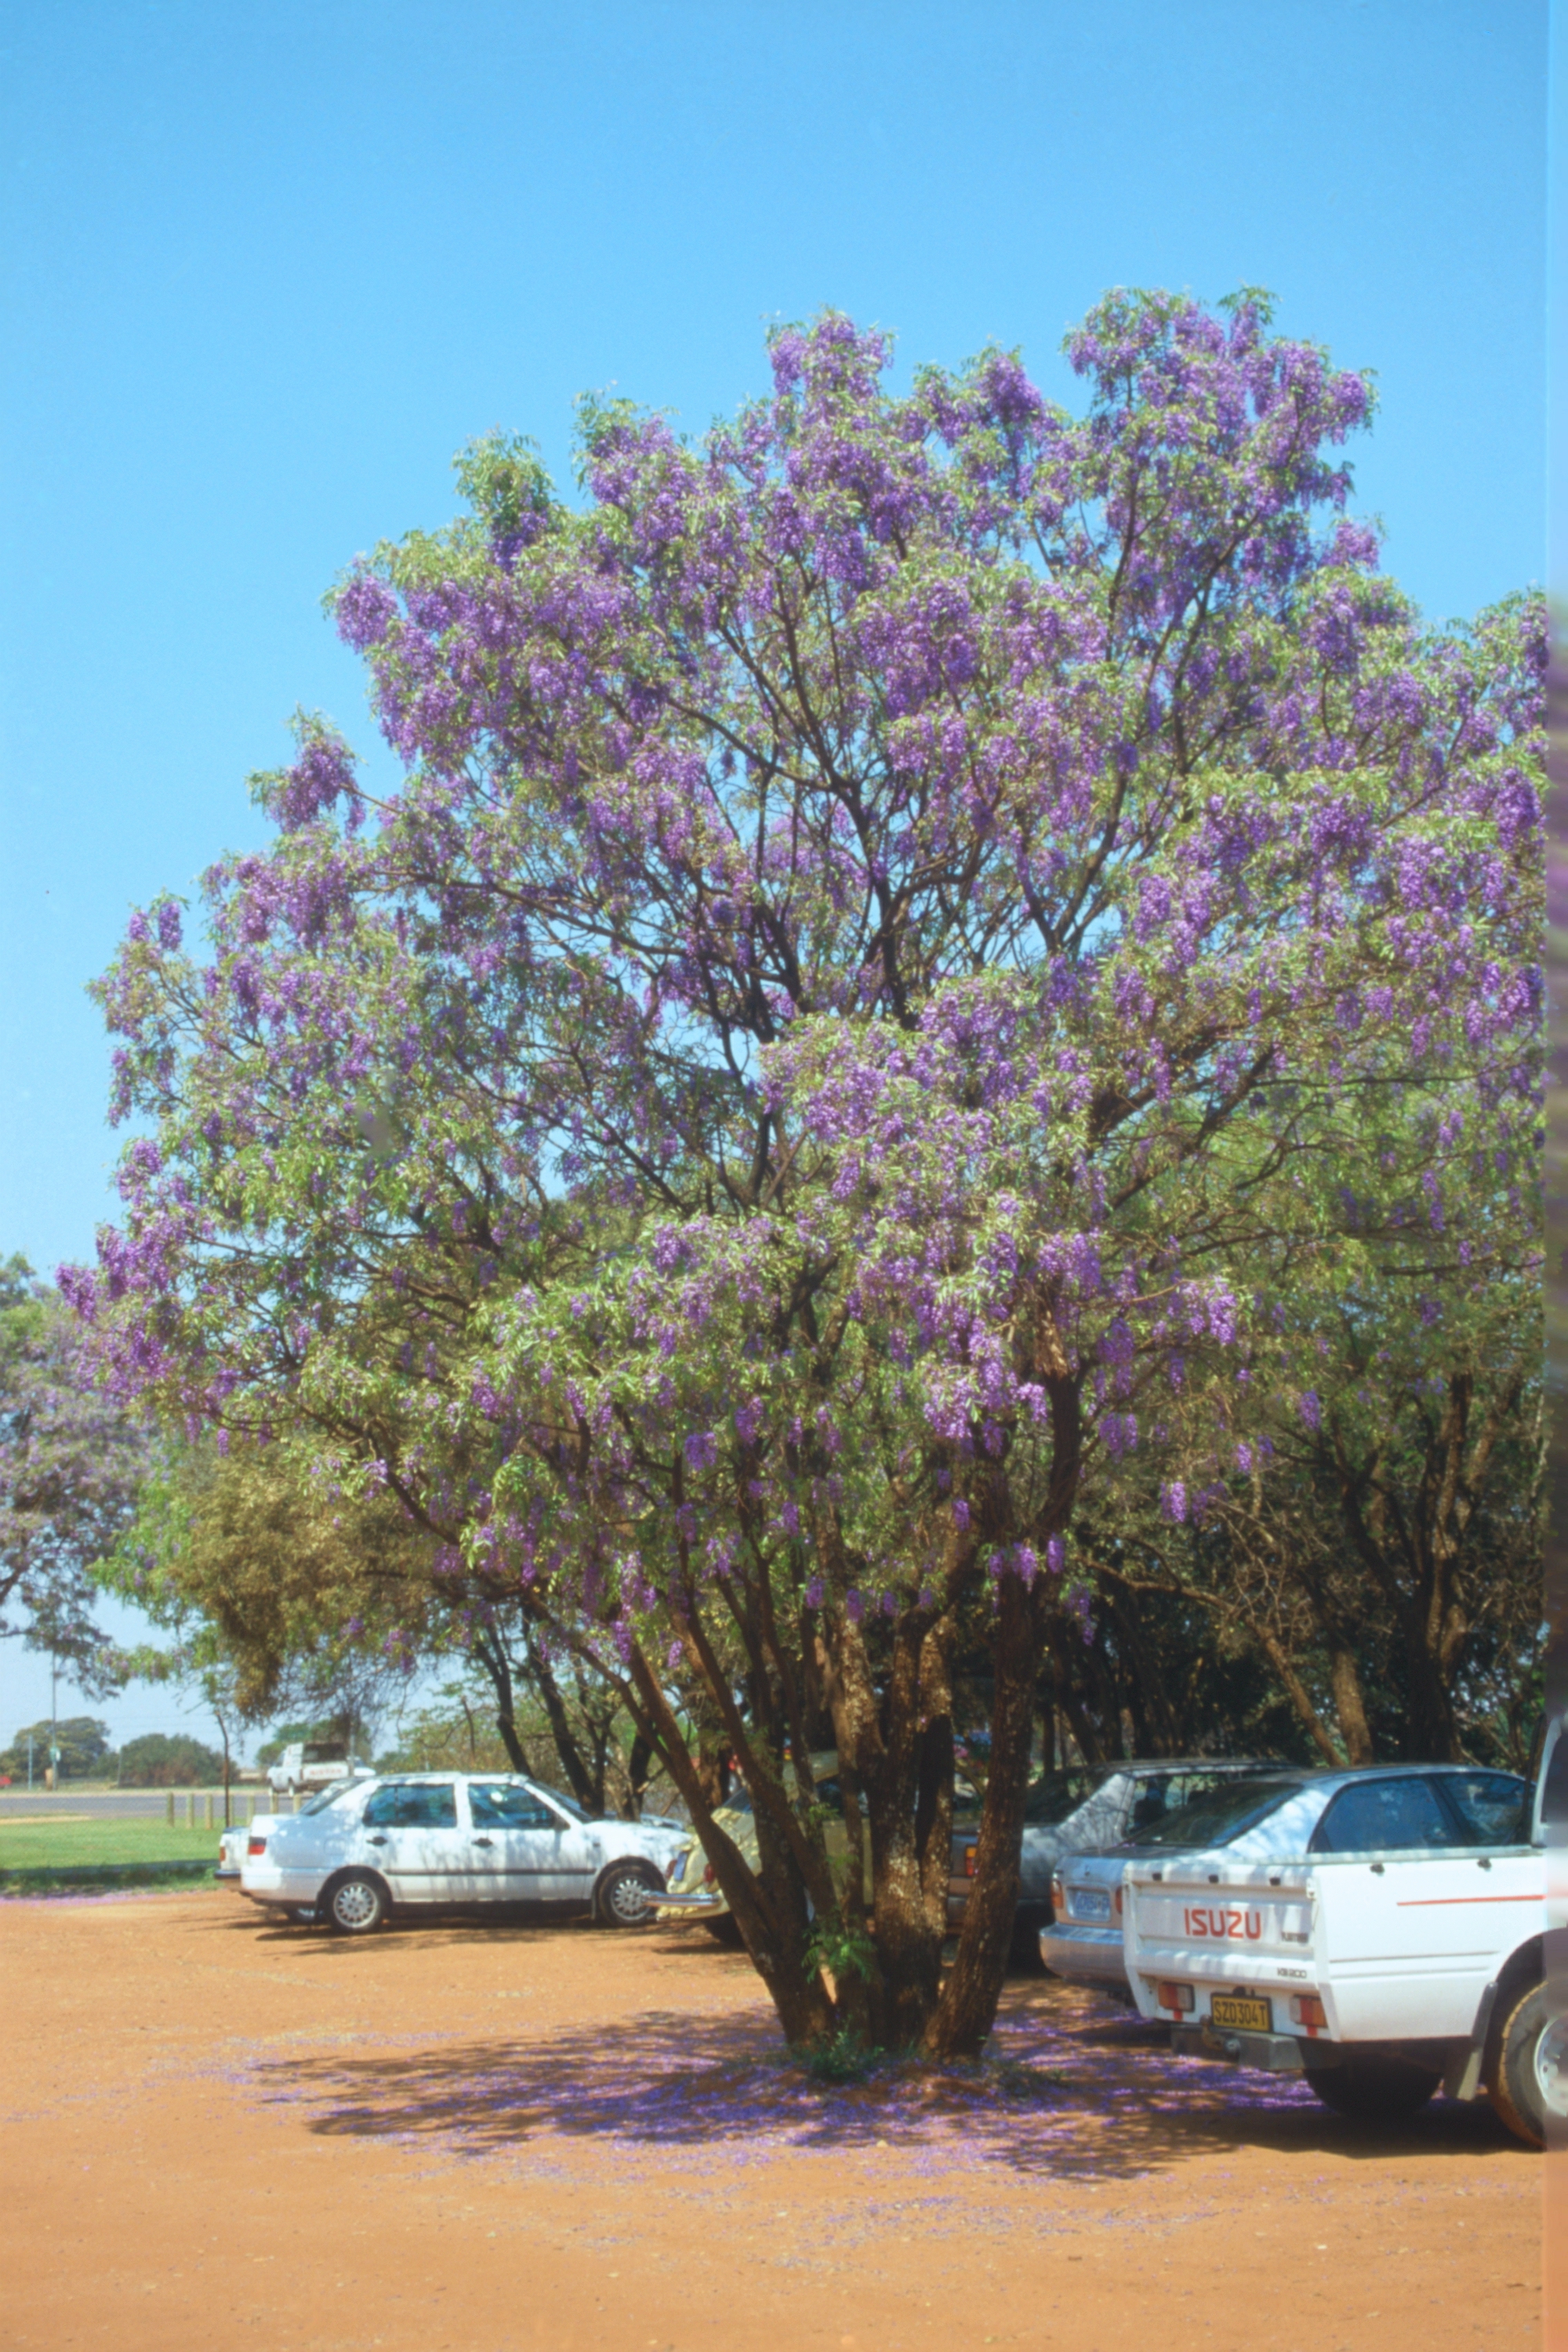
(455, 2138)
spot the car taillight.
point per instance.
(1115, 1901)
(1307, 2010)
(255, 1845)
(969, 1862)
(710, 1876)
(1059, 1896)
(1173, 1996)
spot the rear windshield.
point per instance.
(333, 1795)
(1215, 1819)
(1052, 1799)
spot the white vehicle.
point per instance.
(454, 1838)
(311, 1764)
(1083, 1942)
(1404, 1946)
(231, 1846)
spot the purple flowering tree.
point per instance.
(71, 1461)
(880, 907)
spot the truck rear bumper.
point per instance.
(1276, 2054)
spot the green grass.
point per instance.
(39, 1852)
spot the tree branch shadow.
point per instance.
(1071, 2086)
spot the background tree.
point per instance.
(885, 911)
(287, 1591)
(70, 1462)
(83, 1742)
(160, 1760)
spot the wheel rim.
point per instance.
(1551, 2068)
(355, 1905)
(628, 1899)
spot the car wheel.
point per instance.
(1373, 2089)
(725, 1930)
(1530, 2088)
(626, 1894)
(356, 1904)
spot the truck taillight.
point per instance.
(255, 1845)
(1307, 2010)
(1173, 1996)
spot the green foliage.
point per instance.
(83, 1742)
(842, 2056)
(161, 1760)
(843, 1947)
(69, 1466)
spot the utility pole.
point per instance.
(54, 1720)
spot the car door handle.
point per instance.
(375, 1841)
(484, 1841)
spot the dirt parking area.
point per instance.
(505, 2138)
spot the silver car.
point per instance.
(455, 1840)
(1084, 1810)
(1278, 1816)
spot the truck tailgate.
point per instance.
(1252, 1921)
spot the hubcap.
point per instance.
(630, 1899)
(1551, 2068)
(355, 1905)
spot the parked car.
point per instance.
(235, 1841)
(313, 1764)
(1397, 1941)
(454, 1840)
(1075, 1811)
(1083, 1942)
(231, 1848)
(694, 1892)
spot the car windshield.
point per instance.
(1215, 1817)
(332, 1795)
(568, 1805)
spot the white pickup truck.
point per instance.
(313, 1764)
(1380, 1975)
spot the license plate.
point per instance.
(1243, 2010)
(1089, 1903)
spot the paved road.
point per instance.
(123, 1804)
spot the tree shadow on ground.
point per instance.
(1071, 2086)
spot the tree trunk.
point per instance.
(492, 1657)
(1296, 1690)
(775, 1933)
(640, 1765)
(967, 2008)
(578, 1775)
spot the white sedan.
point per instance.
(455, 1840)
(1282, 1816)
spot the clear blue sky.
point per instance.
(264, 269)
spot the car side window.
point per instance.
(1379, 1816)
(502, 1805)
(413, 1805)
(1493, 1806)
